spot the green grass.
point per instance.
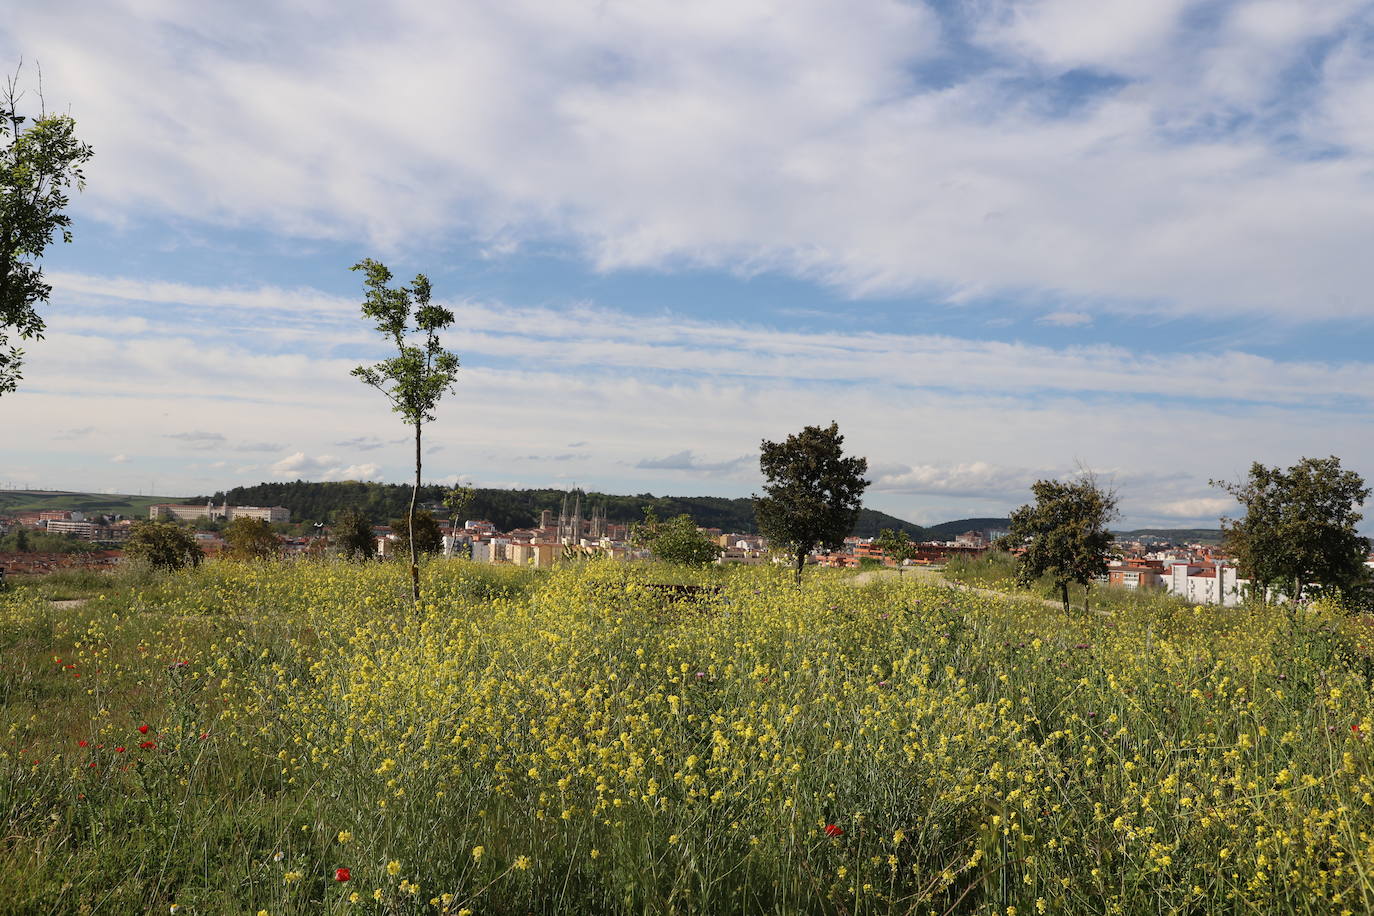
(16, 501)
(579, 741)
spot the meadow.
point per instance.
(297, 738)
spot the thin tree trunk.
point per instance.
(801, 561)
(1064, 594)
(1087, 587)
(414, 494)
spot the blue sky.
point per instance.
(996, 241)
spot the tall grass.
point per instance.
(584, 742)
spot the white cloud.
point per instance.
(119, 459)
(756, 135)
(323, 467)
(1205, 507)
(1067, 319)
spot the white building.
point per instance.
(1206, 583)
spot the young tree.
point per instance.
(427, 537)
(353, 535)
(1065, 534)
(897, 545)
(1299, 527)
(677, 540)
(813, 495)
(40, 159)
(251, 539)
(457, 501)
(163, 545)
(418, 375)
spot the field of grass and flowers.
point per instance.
(296, 738)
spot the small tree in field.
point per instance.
(428, 537)
(677, 540)
(1299, 528)
(897, 545)
(353, 535)
(1065, 534)
(813, 495)
(163, 545)
(418, 375)
(457, 501)
(251, 539)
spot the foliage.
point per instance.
(21, 540)
(251, 539)
(897, 546)
(353, 535)
(418, 376)
(582, 742)
(508, 509)
(813, 494)
(39, 161)
(1065, 533)
(429, 538)
(163, 545)
(1299, 528)
(677, 540)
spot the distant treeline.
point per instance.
(507, 509)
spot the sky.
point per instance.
(995, 240)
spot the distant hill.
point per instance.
(1207, 536)
(15, 501)
(948, 531)
(507, 509)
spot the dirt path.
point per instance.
(68, 602)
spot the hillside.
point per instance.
(509, 509)
(14, 501)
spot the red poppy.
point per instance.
(119, 750)
(143, 729)
(342, 874)
(834, 830)
(148, 746)
(81, 743)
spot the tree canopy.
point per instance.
(353, 535)
(1298, 530)
(1064, 533)
(813, 494)
(40, 159)
(163, 545)
(251, 539)
(677, 540)
(418, 376)
(428, 536)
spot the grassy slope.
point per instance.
(14, 501)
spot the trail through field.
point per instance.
(68, 602)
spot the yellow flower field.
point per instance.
(585, 742)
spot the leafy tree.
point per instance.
(897, 545)
(418, 375)
(1065, 534)
(428, 538)
(353, 535)
(813, 495)
(40, 159)
(21, 541)
(163, 545)
(251, 539)
(457, 501)
(1299, 528)
(677, 540)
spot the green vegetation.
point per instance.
(163, 545)
(417, 377)
(677, 540)
(251, 539)
(40, 159)
(1065, 534)
(509, 509)
(812, 495)
(23, 540)
(227, 738)
(13, 502)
